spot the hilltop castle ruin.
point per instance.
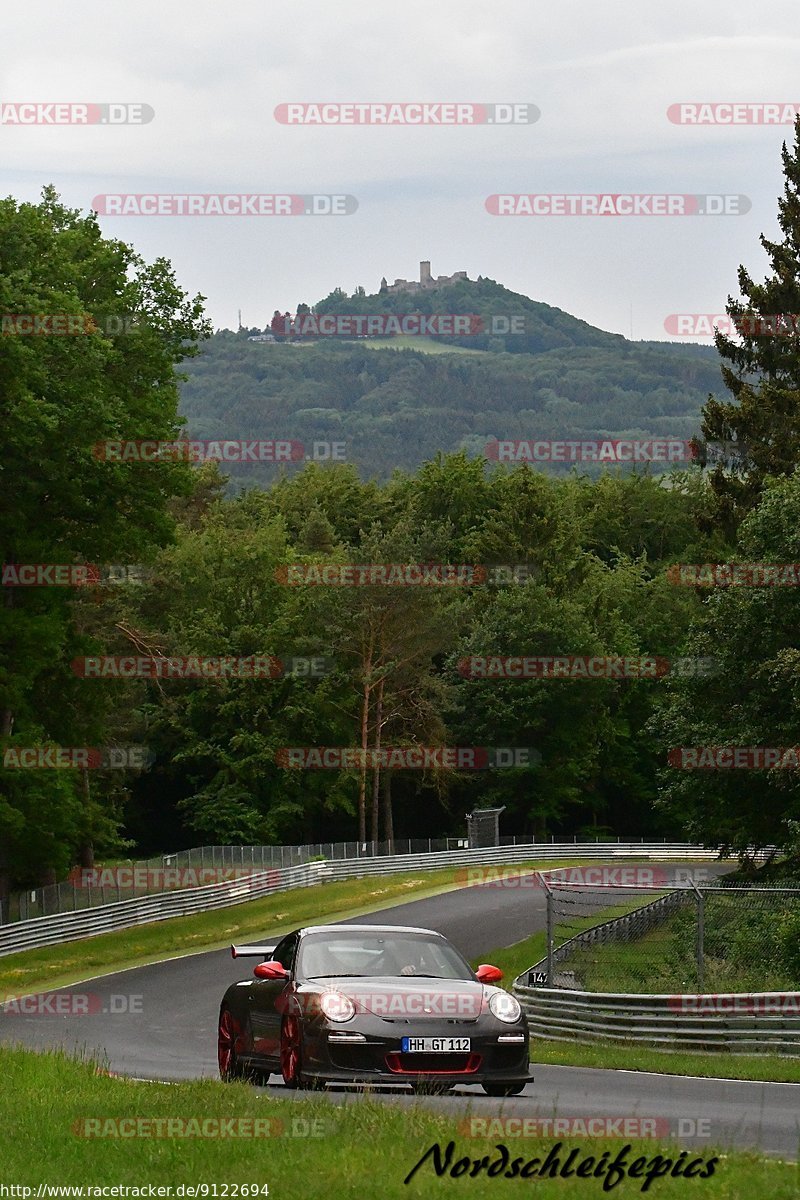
(426, 281)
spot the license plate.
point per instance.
(435, 1045)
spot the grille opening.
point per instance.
(433, 1064)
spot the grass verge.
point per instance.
(49, 1103)
(769, 1068)
(515, 959)
(424, 345)
(750, 946)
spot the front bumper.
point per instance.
(364, 1051)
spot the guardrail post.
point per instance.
(701, 921)
(549, 910)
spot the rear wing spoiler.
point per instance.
(264, 952)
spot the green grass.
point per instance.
(513, 960)
(360, 1149)
(742, 952)
(425, 345)
(644, 965)
(771, 1068)
(54, 966)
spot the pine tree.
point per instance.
(761, 368)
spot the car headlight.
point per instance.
(504, 1007)
(337, 1007)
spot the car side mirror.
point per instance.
(270, 970)
(486, 973)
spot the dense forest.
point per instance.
(398, 407)
(517, 563)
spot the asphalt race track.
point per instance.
(160, 1022)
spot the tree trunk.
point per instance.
(362, 782)
(86, 848)
(376, 770)
(388, 822)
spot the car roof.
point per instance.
(368, 929)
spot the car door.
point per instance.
(268, 999)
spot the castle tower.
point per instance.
(384, 285)
(425, 278)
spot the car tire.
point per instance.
(292, 1053)
(229, 1065)
(503, 1089)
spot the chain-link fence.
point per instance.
(207, 864)
(668, 937)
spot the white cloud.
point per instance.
(603, 76)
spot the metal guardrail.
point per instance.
(89, 922)
(742, 1023)
(198, 865)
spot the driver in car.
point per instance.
(415, 964)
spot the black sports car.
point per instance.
(372, 1004)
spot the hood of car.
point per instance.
(408, 999)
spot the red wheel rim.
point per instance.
(290, 1051)
(226, 1043)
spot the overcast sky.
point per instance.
(603, 76)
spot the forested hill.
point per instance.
(396, 402)
(509, 321)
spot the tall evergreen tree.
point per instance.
(761, 367)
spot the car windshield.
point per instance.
(394, 954)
